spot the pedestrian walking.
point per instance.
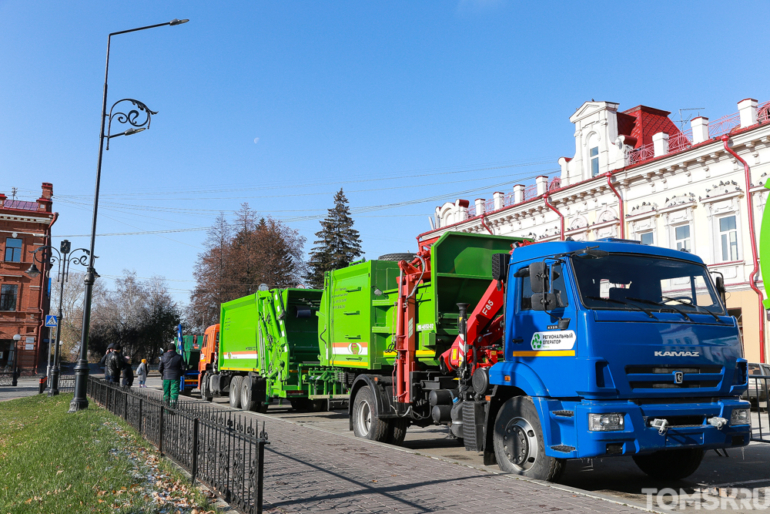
(171, 368)
(103, 362)
(114, 364)
(141, 373)
(128, 374)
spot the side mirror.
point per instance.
(720, 285)
(538, 273)
(543, 301)
(500, 263)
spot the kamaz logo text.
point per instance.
(677, 354)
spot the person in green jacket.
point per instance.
(171, 369)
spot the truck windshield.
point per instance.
(649, 283)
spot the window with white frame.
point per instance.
(682, 238)
(593, 154)
(647, 238)
(728, 238)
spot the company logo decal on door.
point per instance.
(548, 341)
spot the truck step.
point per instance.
(564, 413)
(563, 448)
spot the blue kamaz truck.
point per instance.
(610, 348)
(552, 351)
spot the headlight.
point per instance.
(740, 417)
(605, 422)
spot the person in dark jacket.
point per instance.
(114, 364)
(103, 362)
(171, 368)
(128, 374)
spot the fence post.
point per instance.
(259, 473)
(160, 439)
(194, 467)
(140, 417)
(125, 405)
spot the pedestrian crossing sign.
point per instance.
(50, 321)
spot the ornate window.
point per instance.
(12, 250)
(728, 238)
(682, 237)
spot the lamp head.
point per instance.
(177, 22)
(132, 131)
(33, 271)
(17, 337)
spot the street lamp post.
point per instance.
(80, 401)
(51, 256)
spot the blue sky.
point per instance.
(281, 103)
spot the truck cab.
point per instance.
(613, 348)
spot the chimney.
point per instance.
(700, 129)
(660, 144)
(481, 205)
(2, 200)
(462, 209)
(518, 193)
(542, 184)
(748, 110)
(499, 199)
(44, 202)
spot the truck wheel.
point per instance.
(247, 403)
(365, 424)
(205, 391)
(235, 392)
(670, 464)
(519, 444)
(397, 431)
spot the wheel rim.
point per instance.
(520, 444)
(364, 417)
(244, 397)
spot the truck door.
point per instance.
(544, 337)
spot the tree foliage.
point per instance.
(338, 243)
(240, 256)
(139, 315)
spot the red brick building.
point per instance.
(24, 227)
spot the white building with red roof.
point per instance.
(635, 175)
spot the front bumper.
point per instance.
(568, 436)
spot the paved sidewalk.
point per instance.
(308, 470)
(312, 470)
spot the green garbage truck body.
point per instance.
(357, 316)
(267, 345)
(312, 346)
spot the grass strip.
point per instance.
(92, 461)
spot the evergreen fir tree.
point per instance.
(338, 243)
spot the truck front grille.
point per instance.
(664, 376)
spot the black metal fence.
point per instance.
(218, 447)
(759, 386)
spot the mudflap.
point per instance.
(473, 426)
(220, 385)
(258, 389)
